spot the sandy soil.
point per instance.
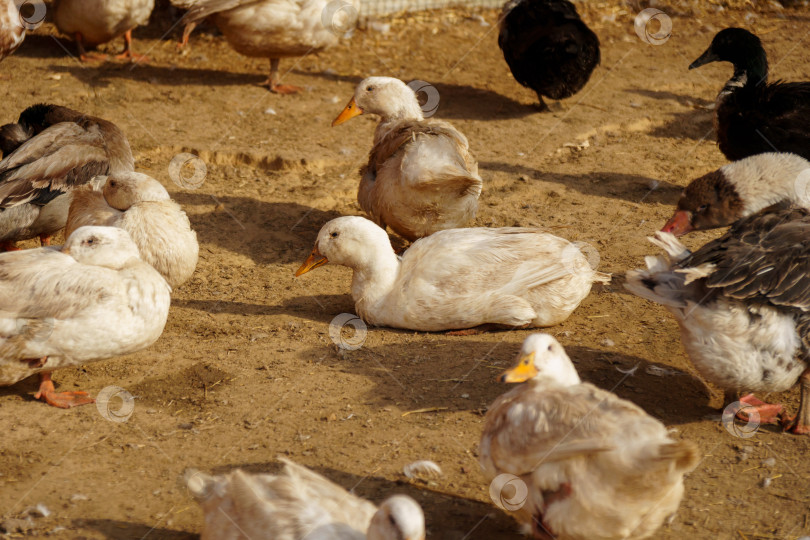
(246, 371)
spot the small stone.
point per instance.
(465, 396)
(769, 462)
(607, 342)
(78, 497)
(270, 110)
(766, 482)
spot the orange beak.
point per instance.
(679, 224)
(314, 260)
(523, 371)
(349, 111)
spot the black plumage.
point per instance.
(548, 47)
(752, 115)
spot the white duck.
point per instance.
(740, 189)
(421, 176)
(457, 278)
(93, 22)
(93, 299)
(140, 205)
(276, 29)
(589, 465)
(12, 31)
(298, 504)
(742, 302)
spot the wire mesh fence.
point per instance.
(370, 8)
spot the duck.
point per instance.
(743, 308)
(91, 300)
(740, 189)
(93, 22)
(548, 47)
(276, 29)
(12, 31)
(140, 205)
(753, 116)
(48, 153)
(297, 504)
(457, 278)
(421, 176)
(582, 463)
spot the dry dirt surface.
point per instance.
(246, 370)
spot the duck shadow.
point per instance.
(266, 232)
(447, 516)
(103, 75)
(695, 124)
(630, 187)
(113, 528)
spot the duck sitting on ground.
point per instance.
(93, 299)
(457, 278)
(753, 116)
(740, 189)
(52, 150)
(93, 22)
(421, 176)
(548, 47)
(593, 466)
(12, 31)
(743, 305)
(140, 205)
(276, 29)
(297, 504)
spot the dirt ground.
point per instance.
(245, 370)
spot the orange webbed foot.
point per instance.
(62, 400)
(768, 412)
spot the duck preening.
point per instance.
(47, 154)
(93, 299)
(548, 47)
(743, 305)
(297, 504)
(457, 278)
(421, 176)
(752, 115)
(595, 466)
(740, 189)
(93, 22)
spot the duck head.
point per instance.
(109, 247)
(398, 518)
(741, 48)
(387, 97)
(123, 190)
(351, 241)
(542, 359)
(708, 202)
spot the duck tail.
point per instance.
(684, 455)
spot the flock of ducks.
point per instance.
(595, 466)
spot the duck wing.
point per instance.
(205, 8)
(61, 157)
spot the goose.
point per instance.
(582, 463)
(754, 116)
(297, 504)
(547, 47)
(421, 176)
(140, 205)
(457, 278)
(90, 300)
(276, 29)
(52, 150)
(743, 306)
(740, 189)
(93, 22)
(12, 31)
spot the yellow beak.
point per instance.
(314, 260)
(522, 372)
(349, 111)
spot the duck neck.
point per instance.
(751, 73)
(407, 113)
(375, 276)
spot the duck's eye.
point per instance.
(551, 347)
(703, 207)
(334, 235)
(369, 88)
(113, 184)
(90, 241)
